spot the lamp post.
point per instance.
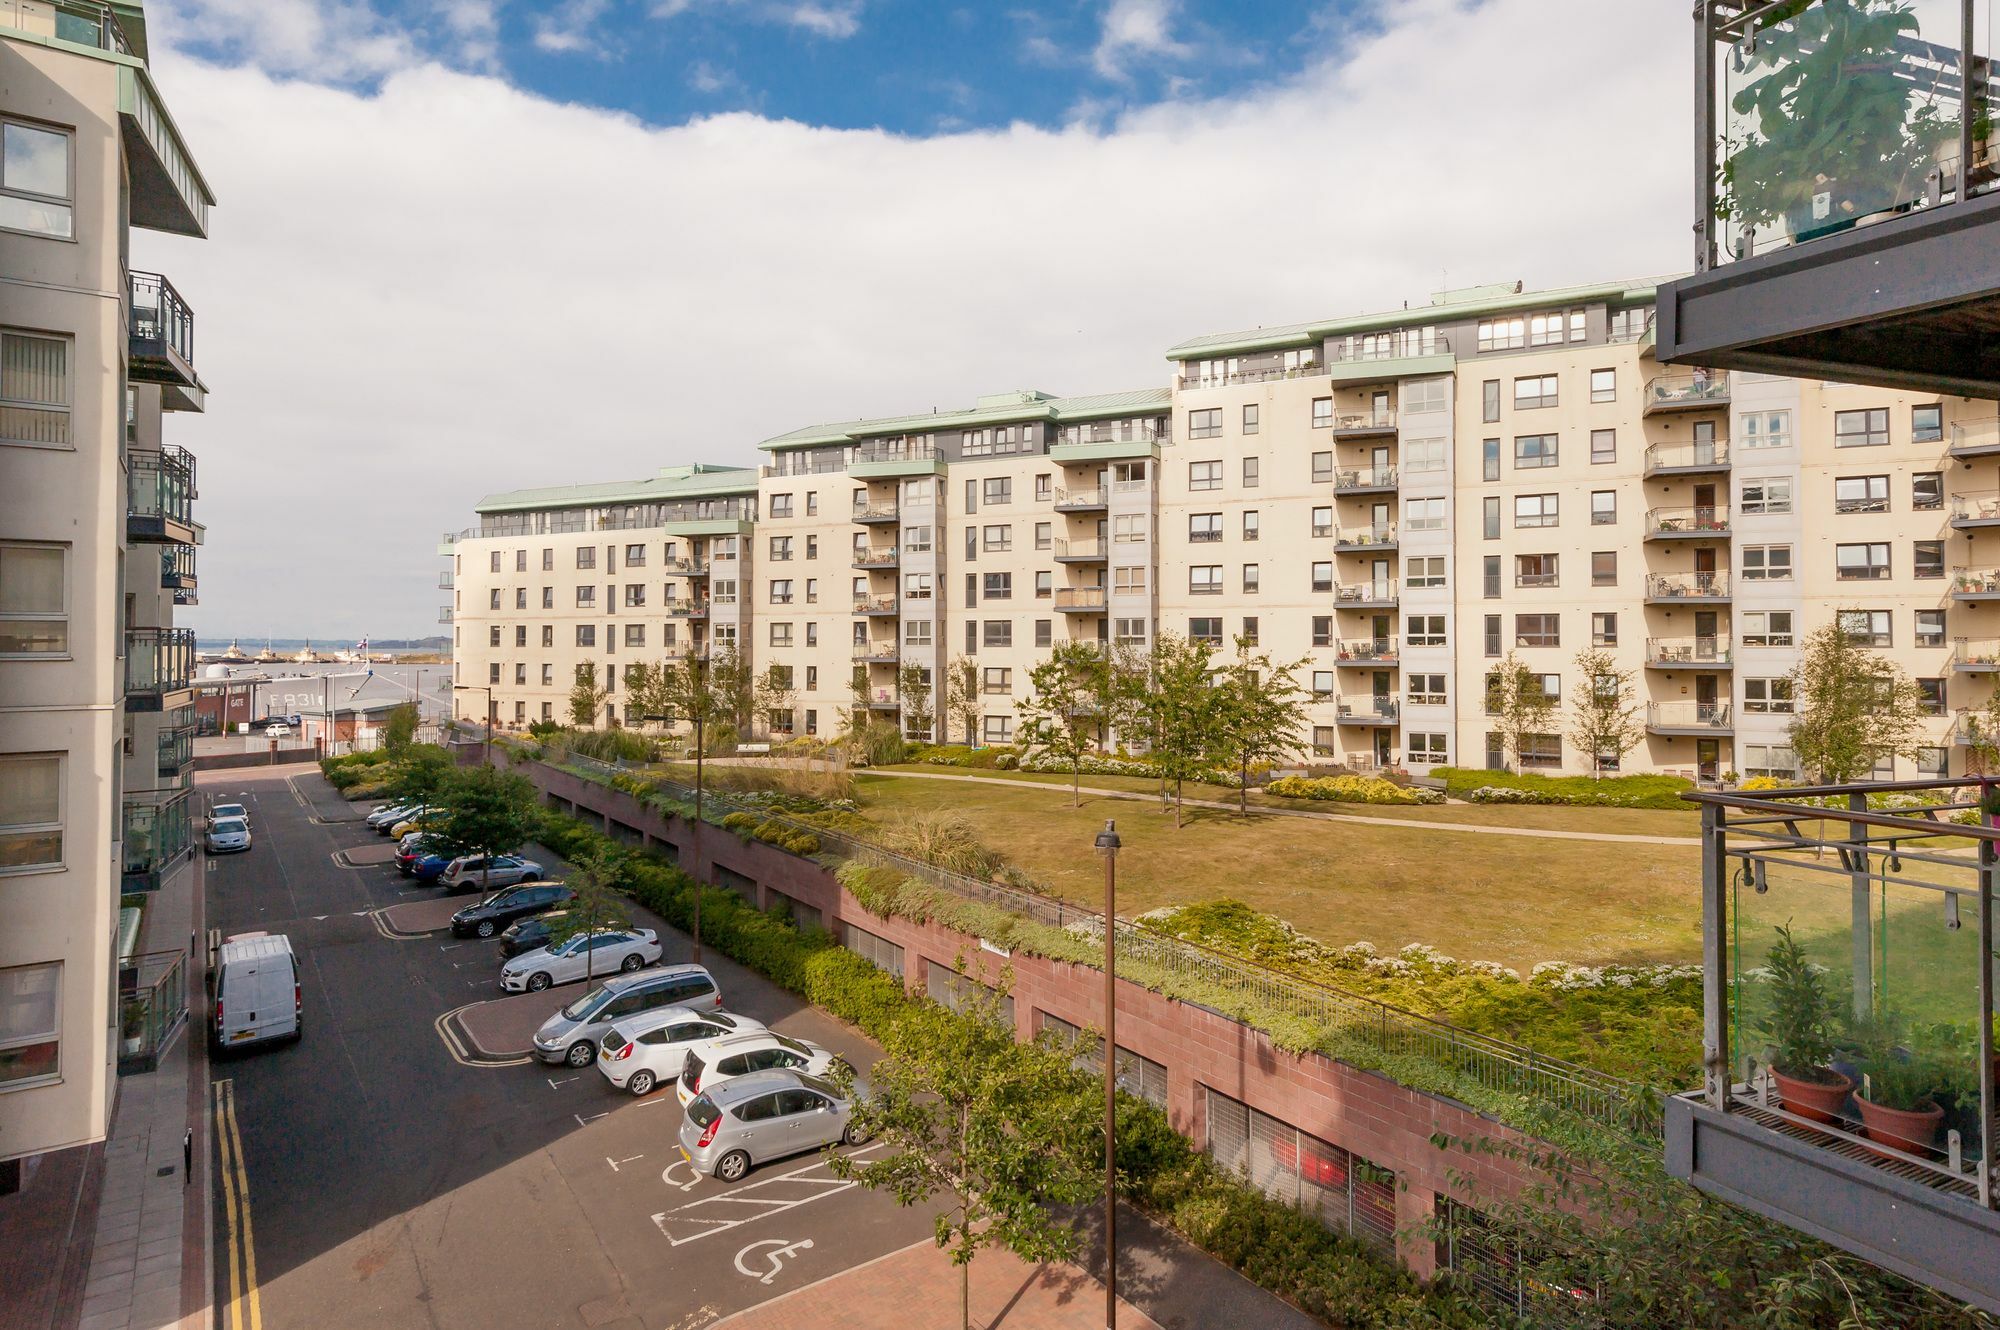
(1107, 841)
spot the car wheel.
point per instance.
(632, 962)
(528, 877)
(732, 1166)
(538, 981)
(581, 1053)
(641, 1083)
(486, 928)
(856, 1134)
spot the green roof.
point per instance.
(1467, 303)
(674, 482)
(993, 409)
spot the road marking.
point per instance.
(553, 1082)
(449, 946)
(245, 1308)
(776, 1258)
(667, 1176)
(826, 1186)
(211, 865)
(583, 1121)
(616, 1162)
(460, 1054)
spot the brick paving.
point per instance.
(505, 1027)
(45, 1237)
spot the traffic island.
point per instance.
(418, 918)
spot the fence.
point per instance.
(1244, 990)
(152, 1008)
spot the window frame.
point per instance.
(30, 831)
(66, 202)
(60, 616)
(39, 1037)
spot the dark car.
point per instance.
(503, 907)
(529, 933)
(431, 867)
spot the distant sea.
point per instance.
(291, 645)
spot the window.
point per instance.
(1930, 628)
(1493, 634)
(1604, 629)
(1205, 579)
(971, 496)
(635, 634)
(1045, 585)
(812, 591)
(1927, 490)
(635, 595)
(1203, 527)
(1425, 750)
(1322, 413)
(781, 548)
(1322, 630)
(917, 586)
(1424, 455)
(1773, 760)
(997, 729)
(1604, 507)
(1767, 628)
(998, 538)
(1861, 429)
(31, 820)
(997, 633)
(1927, 558)
(1861, 494)
(493, 672)
(1205, 630)
(1767, 494)
(520, 598)
(548, 597)
(1535, 570)
(1250, 524)
(1250, 579)
(34, 601)
(1423, 630)
(1930, 697)
(1322, 575)
(1768, 696)
(1424, 514)
(30, 1022)
(1538, 630)
(1534, 450)
(916, 632)
(586, 556)
(1604, 385)
(1322, 521)
(1868, 628)
(493, 599)
(1767, 429)
(1322, 683)
(1424, 572)
(1767, 563)
(1546, 329)
(1541, 750)
(996, 679)
(916, 539)
(781, 506)
(1130, 632)
(1603, 446)
(548, 561)
(1322, 467)
(548, 676)
(1490, 517)
(998, 490)
(1324, 741)
(1490, 568)
(1250, 418)
(1129, 529)
(1427, 690)
(1044, 490)
(1502, 334)
(493, 635)
(35, 180)
(1535, 510)
(586, 598)
(1205, 475)
(1044, 536)
(1489, 401)
(1205, 424)
(1251, 471)
(1489, 459)
(1861, 562)
(1932, 761)
(1536, 390)
(1044, 632)
(549, 635)
(1926, 423)
(997, 586)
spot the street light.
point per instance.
(486, 740)
(1107, 841)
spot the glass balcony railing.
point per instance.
(79, 21)
(1692, 651)
(176, 751)
(158, 661)
(1709, 455)
(157, 833)
(1367, 651)
(1376, 708)
(1705, 520)
(1981, 506)
(1687, 715)
(1080, 600)
(922, 449)
(162, 333)
(1700, 390)
(177, 573)
(1365, 478)
(1067, 499)
(1358, 537)
(159, 495)
(1380, 591)
(1687, 586)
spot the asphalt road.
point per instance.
(390, 1185)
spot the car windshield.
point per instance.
(586, 1006)
(229, 810)
(498, 897)
(793, 1044)
(701, 1111)
(820, 1084)
(227, 825)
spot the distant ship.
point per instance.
(234, 655)
(307, 656)
(268, 656)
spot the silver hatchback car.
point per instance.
(765, 1115)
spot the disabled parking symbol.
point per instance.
(780, 1250)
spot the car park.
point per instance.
(488, 916)
(384, 816)
(227, 835)
(471, 872)
(585, 956)
(571, 1034)
(707, 1065)
(639, 1052)
(220, 811)
(763, 1116)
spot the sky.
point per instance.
(471, 245)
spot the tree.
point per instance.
(1260, 712)
(646, 692)
(775, 693)
(420, 775)
(732, 684)
(1001, 1132)
(689, 693)
(1060, 716)
(1982, 737)
(1121, 692)
(1179, 710)
(1852, 707)
(913, 686)
(399, 728)
(586, 698)
(961, 696)
(486, 812)
(598, 879)
(1518, 705)
(1605, 716)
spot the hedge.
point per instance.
(1351, 790)
(1579, 791)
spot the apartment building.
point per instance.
(1398, 501)
(97, 548)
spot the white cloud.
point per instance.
(837, 19)
(573, 28)
(1142, 28)
(446, 286)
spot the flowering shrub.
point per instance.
(1352, 790)
(1502, 787)
(1502, 794)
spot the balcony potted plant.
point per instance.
(1800, 1026)
(1899, 1104)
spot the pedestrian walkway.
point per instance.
(143, 1244)
(1405, 823)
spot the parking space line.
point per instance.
(828, 1186)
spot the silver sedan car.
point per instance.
(228, 835)
(766, 1115)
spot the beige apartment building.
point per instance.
(97, 547)
(1398, 501)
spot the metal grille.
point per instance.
(1342, 1190)
(953, 990)
(877, 951)
(1138, 1075)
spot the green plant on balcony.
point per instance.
(1828, 116)
(1899, 1103)
(1800, 1024)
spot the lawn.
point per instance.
(1512, 899)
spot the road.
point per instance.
(385, 1183)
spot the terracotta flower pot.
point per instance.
(1913, 1131)
(1814, 1100)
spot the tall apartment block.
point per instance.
(1399, 500)
(97, 548)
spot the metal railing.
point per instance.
(1688, 715)
(1687, 650)
(1365, 535)
(1365, 477)
(161, 320)
(161, 486)
(1369, 649)
(158, 660)
(1708, 518)
(152, 1007)
(1686, 586)
(1686, 456)
(177, 573)
(1381, 591)
(1698, 389)
(1080, 598)
(79, 21)
(176, 750)
(1090, 498)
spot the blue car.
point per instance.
(431, 867)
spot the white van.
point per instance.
(257, 992)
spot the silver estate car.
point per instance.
(571, 1034)
(765, 1115)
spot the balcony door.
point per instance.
(1378, 586)
(1378, 462)
(1378, 516)
(1704, 634)
(1383, 747)
(1704, 507)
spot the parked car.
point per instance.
(414, 848)
(604, 952)
(430, 868)
(571, 1034)
(710, 1064)
(529, 933)
(384, 816)
(258, 995)
(639, 1052)
(486, 917)
(470, 872)
(220, 811)
(409, 826)
(228, 835)
(277, 729)
(764, 1116)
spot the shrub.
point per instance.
(611, 745)
(747, 823)
(877, 744)
(1352, 790)
(1580, 791)
(942, 838)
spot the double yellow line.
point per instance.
(244, 1311)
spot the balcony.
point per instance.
(157, 832)
(1374, 709)
(1972, 439)
(1081, 551)
(1975, 584)
(1080, 501)
(1687, 653)
(444, 614)
(1710, 522)
(688, 609)
(175, 753)
(1687, 588)
(159, 663)
(1698, 718)
(685, 567)
(159, 497)
(877, 653)
(1377, 594)
(1848, 1025)
(162, 341)
(883, 699)
(875, 606)
(1973, 512)
(875, 514)
(876, 560)
(1364, 424)
(1365, 480)
(886, 459)
(1701, 390)
(1080, 600)
(177, 574)
(1266, 374)
(1365, 538)
(1969, 657)
(1366, 651)
(1687, 459)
